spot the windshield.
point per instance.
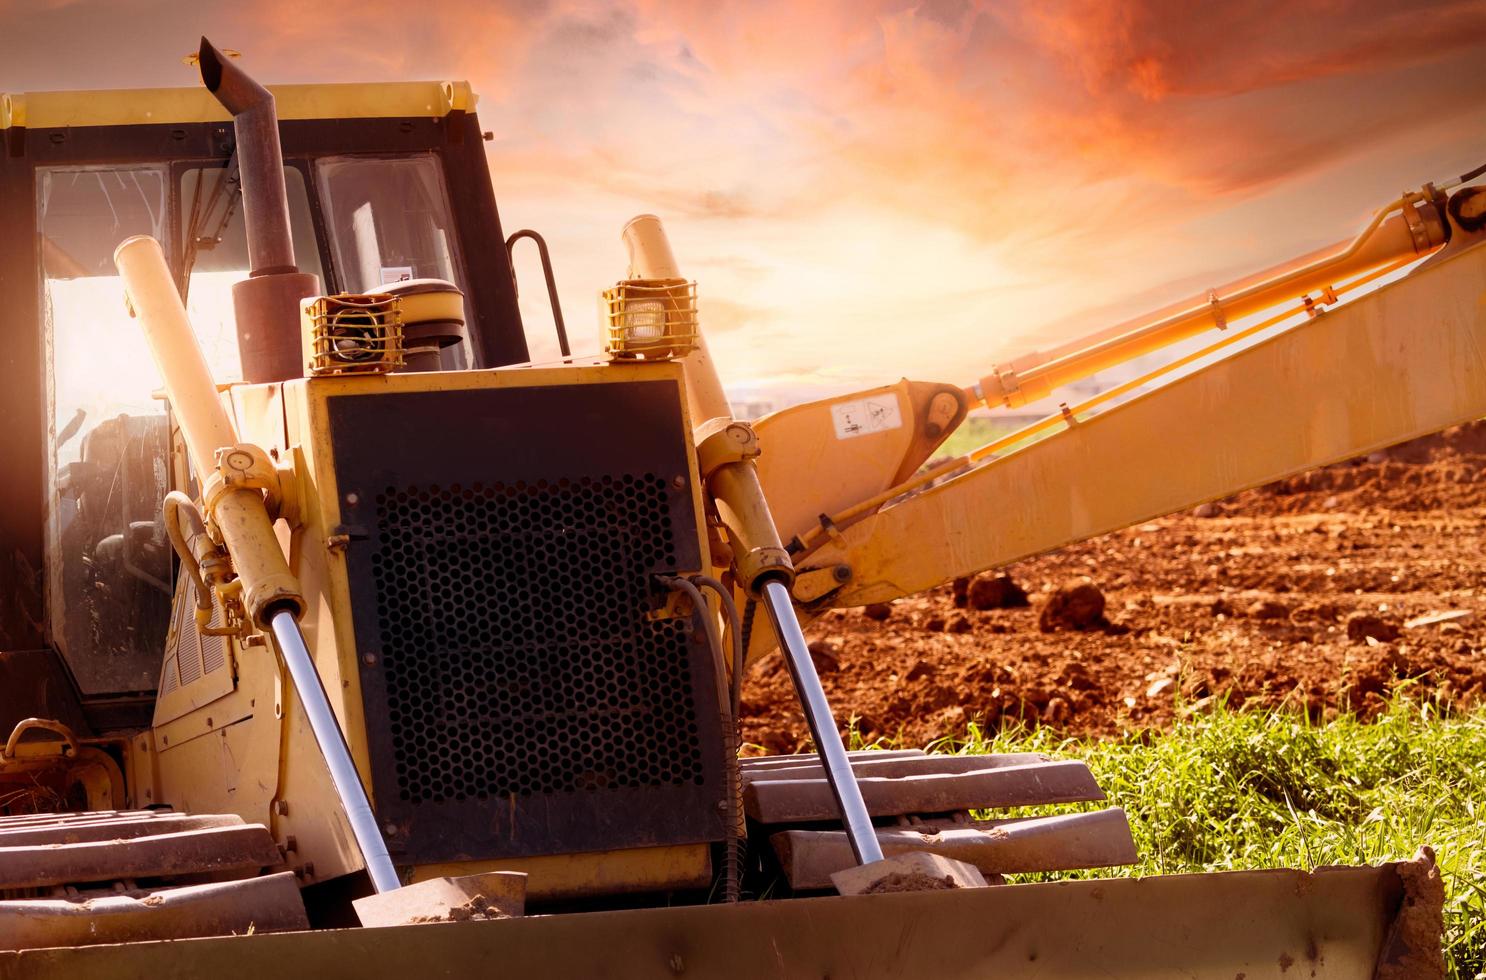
(108, 562)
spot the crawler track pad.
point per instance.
(123, 876)
(922, 803)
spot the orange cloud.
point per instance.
(962, 159)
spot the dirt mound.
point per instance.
(1079, 606)
(1299, 593)
(994, 592)
(915, 881)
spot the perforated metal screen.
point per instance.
(548, 580)
(520, 698)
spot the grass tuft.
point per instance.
(1258, 789)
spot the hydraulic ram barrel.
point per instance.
(270, 591)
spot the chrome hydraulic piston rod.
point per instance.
(760, 564)
(854, 815)
(337, 754)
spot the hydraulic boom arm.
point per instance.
(1402, 361)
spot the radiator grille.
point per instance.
(517, 655)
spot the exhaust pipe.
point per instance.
(267, 302)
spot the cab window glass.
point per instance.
(108, 560)
(389, 220)
(108, 563)
(214, 255)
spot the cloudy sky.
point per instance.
(867, 189)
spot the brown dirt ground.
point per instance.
(1249, 602)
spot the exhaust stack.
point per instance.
(267, 302)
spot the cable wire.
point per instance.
(733, 795)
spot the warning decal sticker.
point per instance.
(865, 416)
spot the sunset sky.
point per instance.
(867, 190)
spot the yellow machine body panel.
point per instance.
(163, 106)
(247, 748)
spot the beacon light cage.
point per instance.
(654, 319)
(353, 334)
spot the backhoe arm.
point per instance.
(830, 463)
(1403, 361)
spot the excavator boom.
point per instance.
(1402, 361)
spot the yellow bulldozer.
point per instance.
(364, 646)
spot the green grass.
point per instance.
(1254, 789)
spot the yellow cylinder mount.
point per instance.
(238, 513)
(758, 554)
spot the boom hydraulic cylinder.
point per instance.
(271, 593)
(760, 561)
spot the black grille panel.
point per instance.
(519, 698)
(587, 695)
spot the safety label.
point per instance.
(865, 416)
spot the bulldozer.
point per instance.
(338, 638)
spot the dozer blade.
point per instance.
(1332, 924)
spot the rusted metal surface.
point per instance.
(791, 800)
(1058, 843)
(769, 762)
(493, 895)
(80, 827)
(247, 847)
(896, 766)
(1327, 924)
(267, 904)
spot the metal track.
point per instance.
(123, 876)
(921, 802)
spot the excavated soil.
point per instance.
(1307, 593)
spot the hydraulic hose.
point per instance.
(178, 507)
(738, 846)
(735, 630)
(732, 802)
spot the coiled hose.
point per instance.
(176, 508)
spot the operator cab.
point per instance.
(386, 183)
